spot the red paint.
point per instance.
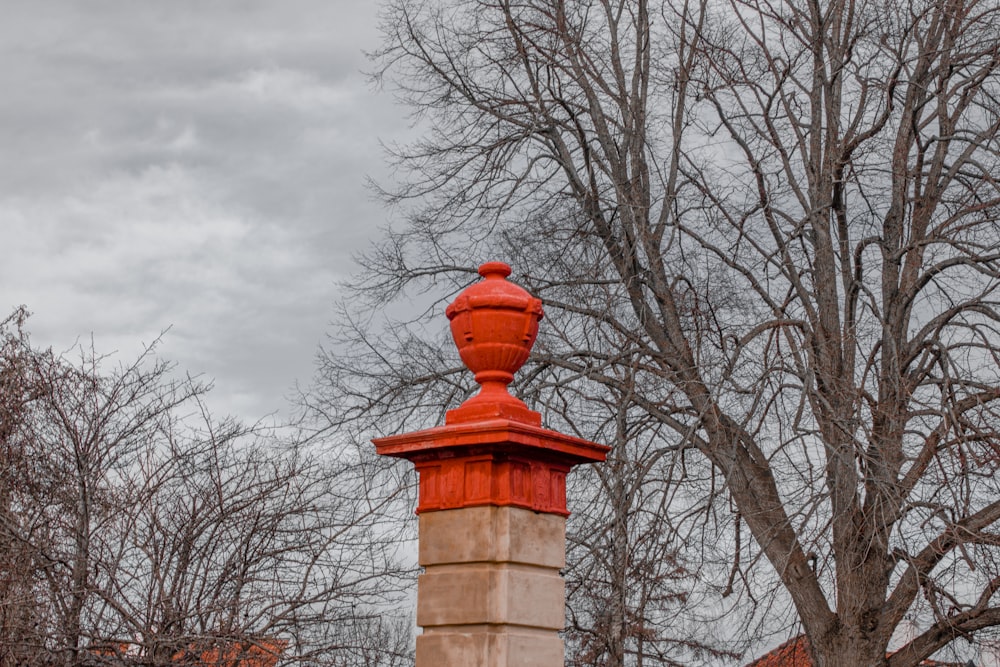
(492, 462)
(795, 653)
(492, 449)
(494, 324)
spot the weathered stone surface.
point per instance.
(491, 594)
(488, 646)
(492, 534)
(495, 593)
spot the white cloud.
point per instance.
(296, 89)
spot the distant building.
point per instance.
(795, 653)
(259, 653)
(263, 653)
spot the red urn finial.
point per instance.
(494, 323)
(492, 449)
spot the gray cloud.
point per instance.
(188, 164)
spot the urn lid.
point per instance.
(494, 292)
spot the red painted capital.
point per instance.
(492, 462)
(492, 449)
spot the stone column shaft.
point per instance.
(491, 594)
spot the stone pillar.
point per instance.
(492, 499)
(491, 593)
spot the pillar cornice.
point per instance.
(498, 462)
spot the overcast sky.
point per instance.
(189, 164)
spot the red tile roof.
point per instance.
(795, 653)
(262, 653)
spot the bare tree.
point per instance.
(785, 216)
(632, 597)
(74, 433)
(22, 616)
(146, 532)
